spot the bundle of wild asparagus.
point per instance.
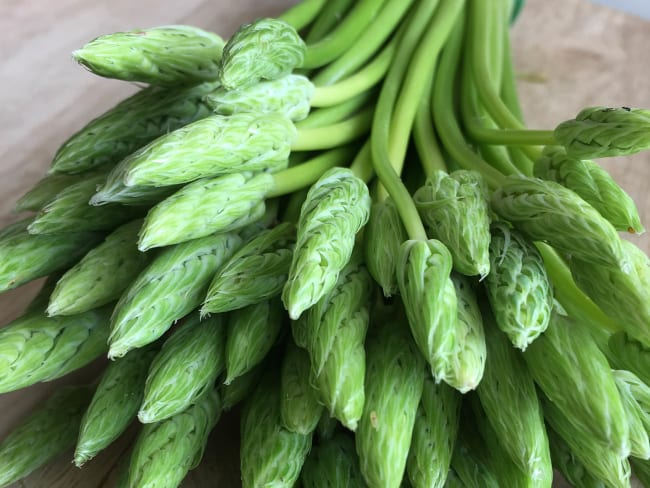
(338, 220)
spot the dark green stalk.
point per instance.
(409, 37)
(446, 123)
(334, 135)
(364, 79)
(338, 42)
(302, 14)
(303, 175)
(366, 44)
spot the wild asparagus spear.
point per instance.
(165, 55)
(333, 463)
(114, 405)
(47, 432)
(187, 366)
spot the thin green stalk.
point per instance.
(424, 134)
(362, 164)
(336, 113)
(421, 69)
(302, 14)
(360, 82)
(303, 175)
(483, 17)
(568, 293)
(366, 44)
(473, 118)
(508, 84)
(409, 37)
(443, 111)
(335, 134)
(337, 42)
(332, 13)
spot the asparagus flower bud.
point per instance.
(114, 405)
(572, 372)
(455, 209)
(383, 236)
(270, 455)
(299, 406)
(623, 296)
(253, 274)
(336, 208)
(333, 334)
(630, 386)
(131, 124)
(165, 451)
(434, 435)
(593, 184)
(102, 275)
(208, 147)
(509, 399)
(429, 296)
(168, 289)
(252, 331)
(600, 132)
(165, 55)
(518, 287)
(46, 433)
(289, 95)
(221, 204)
(332, 463)
(603, 463)
(69, 211)
(25, 257)
(185, 368)
(36, 348)
(394, 382)
(546, 211)
(467, 363)
(266, 49)
(45, 190)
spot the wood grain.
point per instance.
(566, 58)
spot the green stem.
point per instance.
(444, 115)
(362, 164)
(301, 15)
(305, 174)
(512, 137)
(334, 135)
(337, 113)
(409, 36)
(569, 295)
(360, 82)
(336, 43)
(509, 93)
(366, 45)
(332, 13)
(424, 135)
(483, 16)
(421, 69)
(474, 118)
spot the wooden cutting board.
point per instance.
(568, 55)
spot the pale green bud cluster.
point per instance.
(166, 55)
(599, 132)
(455, 209)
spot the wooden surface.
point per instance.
(568, 55)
